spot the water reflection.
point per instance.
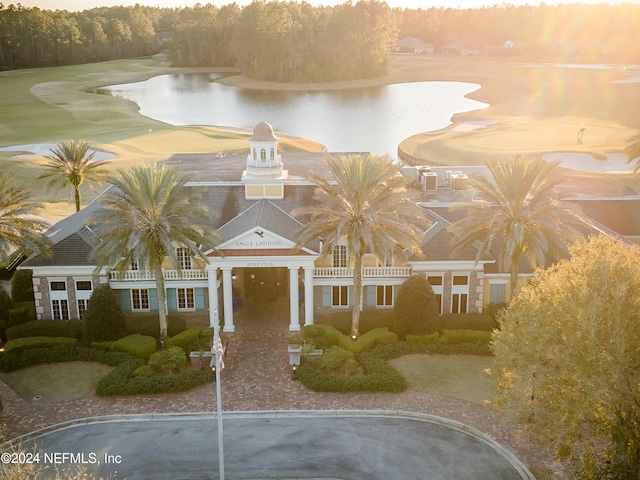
(374, 119)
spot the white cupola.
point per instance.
(264, 176)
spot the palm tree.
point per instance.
(147, 214)
(632, 151)
(71, 164)
(19, 226)
(367, 204)
(523, 210)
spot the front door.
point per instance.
(266, 284)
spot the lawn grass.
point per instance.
(454, 376)
(56, 382)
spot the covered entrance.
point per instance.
(259, 260)
(264, 284)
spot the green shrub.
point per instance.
(416, 309)
(46, 328)
(15, 360)
(467, 321)
(170, 360)
(364, 342)
(192, 339)
(22, 312)
(334, 358)
(378, 377)
(5, 303)
(323, 334)
(140, 346)
(369, 320)
(425, 339)
(120, 381)
(20, 344)
(103, 320)
(22, 286)
(454, 337)
(149, 325)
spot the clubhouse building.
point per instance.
(253, 195)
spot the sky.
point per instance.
(78, 5)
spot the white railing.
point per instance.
(368, 272)
(139, 275)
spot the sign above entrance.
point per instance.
(258, 239)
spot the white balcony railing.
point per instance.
(139, 275)
(367, 272)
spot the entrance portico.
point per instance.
(221, 285)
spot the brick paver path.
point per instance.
(258, 377)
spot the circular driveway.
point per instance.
(278, 444)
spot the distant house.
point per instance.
(412, 45)
(463, 46)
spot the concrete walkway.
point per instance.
(258, 378)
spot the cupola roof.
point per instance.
(263, 132)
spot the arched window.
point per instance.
(263, 154)
(255, 155)
(273, 155)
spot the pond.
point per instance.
(372, 119)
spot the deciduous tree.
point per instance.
(567, 359)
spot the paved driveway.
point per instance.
(332, 444)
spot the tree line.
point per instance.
(294, 41)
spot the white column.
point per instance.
(212, 283)
(227, 295)
(308, 295)
(294, 303)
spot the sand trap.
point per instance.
(585, 162)
(44, 149)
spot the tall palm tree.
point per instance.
(19, 226)
(523, 210)
(366, 203)
(145, 216)
(632, 151)
(72, 164)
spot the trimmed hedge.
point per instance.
(140, 346)
(467, 321)
(455, 337)
(190, 339)
(425, 339)
(149, 325)
(25, 343)
(379, 375)
(369, 320)
(22, 312)
(378, 336)
(46, 328)
(120, 381)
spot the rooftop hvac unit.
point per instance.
(459, 181)
(430, 181)
(448, 174)
(420, 170)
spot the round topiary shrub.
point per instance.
(170, 360)
(103, 319)
(416, 309)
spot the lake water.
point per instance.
(374, 119)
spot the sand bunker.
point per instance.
(585, 162)
(44, 149)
